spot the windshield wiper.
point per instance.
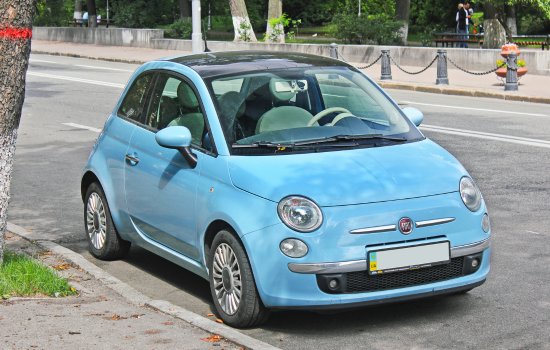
(265, 144)
(351, 138)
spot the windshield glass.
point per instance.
(304, 109)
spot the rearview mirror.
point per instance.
(414, 115)
(178, 137)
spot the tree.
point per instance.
(241, 22)
(402, 8)
(16, 19)
(511, 18)
(275, 29)
(92, 14)
(185, 12)
(78, 4)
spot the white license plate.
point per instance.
(408, 258)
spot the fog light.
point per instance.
(475, 263)
(333, 283)
(293, 248)
(485, 223)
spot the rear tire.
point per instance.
(103, 240)
(232, 284)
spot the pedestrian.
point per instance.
(462, 25)
(469, 14)
(85, 18)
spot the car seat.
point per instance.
(193, 119)
(284, 117)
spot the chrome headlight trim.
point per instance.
(292, 208)
(470, 194)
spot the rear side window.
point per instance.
(134, 102)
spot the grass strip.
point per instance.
(23, 276)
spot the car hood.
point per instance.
(347, 177)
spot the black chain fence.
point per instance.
(365, 67)
(479, 73)
(414, 73)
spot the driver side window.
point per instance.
(174, 103)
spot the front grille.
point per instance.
(363, 282)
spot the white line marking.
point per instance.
(488, 136)
(96, 82)
(475, 109)
(533, 232)
(80, 65)
(79, 126)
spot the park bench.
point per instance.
(79, 22)
(447, 39)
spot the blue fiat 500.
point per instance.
(288, 181)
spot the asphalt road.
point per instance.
(512, 168)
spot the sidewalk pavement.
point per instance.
(532, 88)
(105, 314)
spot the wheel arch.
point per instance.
(87, 179)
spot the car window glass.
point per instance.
(220, 87)
(133, 104)
(174, 103)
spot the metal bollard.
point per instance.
(386, 65)
(511, 72)
(334, 50)
(442, 78)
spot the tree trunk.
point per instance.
(16, 18)
(494, 32)
(511, 19)
(78, 9)
(92, 14)
(402, 8)
(275, 10)
(185, 12)
(241, 22)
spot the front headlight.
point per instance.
(470, 194)
(300, 214)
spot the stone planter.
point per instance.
(504, 53)
(501, 72)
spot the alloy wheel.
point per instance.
(227, 279)
(96, 220)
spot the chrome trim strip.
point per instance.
(361, 265)
(471, 248)
(338, 267)
(375, 229)
(433, 222)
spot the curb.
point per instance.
(462, 92)
(140, 299)
(68, 54)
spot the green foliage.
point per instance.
(183, 28)
(429, 34)
(53, 13)
(23, 276)
(359, 30)
(294, 26)
(277, 27)
(433, 12)
(142, 13)
(244, 31)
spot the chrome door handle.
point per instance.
(133, 159)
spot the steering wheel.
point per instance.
(326, 112)
(340, 117)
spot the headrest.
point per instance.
(233, 103)
(279, 91)
(186, 96)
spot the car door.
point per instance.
(160, 186)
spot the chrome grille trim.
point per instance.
(375, 229)
(361, 265)
(433, 222)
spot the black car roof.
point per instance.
(227, 62)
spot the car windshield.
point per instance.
(306, 109)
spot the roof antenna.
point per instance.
(206, 49)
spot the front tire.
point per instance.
(103, 241)
(232, 284)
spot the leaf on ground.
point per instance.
(208, 315)
(74, 332)
(218, 320)
(48, 253)
(168, 323)
(8, 237)
(151, 332)
(62, 267)
(137, 315)
(29, 230)
(171, 309)
(96, 314)
(213, 338)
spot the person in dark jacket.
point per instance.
(462, 25)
